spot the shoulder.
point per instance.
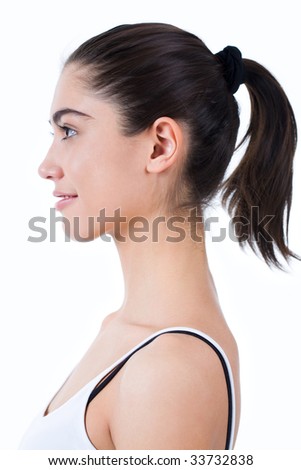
(172, 395)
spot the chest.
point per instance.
(112, 343)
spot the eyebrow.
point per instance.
(57, 116)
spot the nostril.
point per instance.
(50, 172)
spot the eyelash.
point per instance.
(66, 129)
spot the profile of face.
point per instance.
(91, 159)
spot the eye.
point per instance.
(68, 132)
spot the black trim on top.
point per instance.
(112, 374)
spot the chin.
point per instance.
(81, 232)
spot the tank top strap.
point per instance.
(211, 343)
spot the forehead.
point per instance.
(72, 93)
(69, 90)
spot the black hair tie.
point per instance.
(234, 69)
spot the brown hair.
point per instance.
(152, 70)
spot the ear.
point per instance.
(167, 141)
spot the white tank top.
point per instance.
(64, 428)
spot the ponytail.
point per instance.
(259, 191)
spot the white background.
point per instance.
(55, 295)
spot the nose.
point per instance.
(48, 169)
(53, 172)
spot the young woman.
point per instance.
(145, 124)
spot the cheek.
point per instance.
(104, 179)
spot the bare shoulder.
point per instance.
(172, 395)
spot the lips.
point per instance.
(66, 199)
(61, 194)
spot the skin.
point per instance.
(172, 393)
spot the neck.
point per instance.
(166, 283)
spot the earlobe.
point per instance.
(166, 134)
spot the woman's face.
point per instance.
(91, 159)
